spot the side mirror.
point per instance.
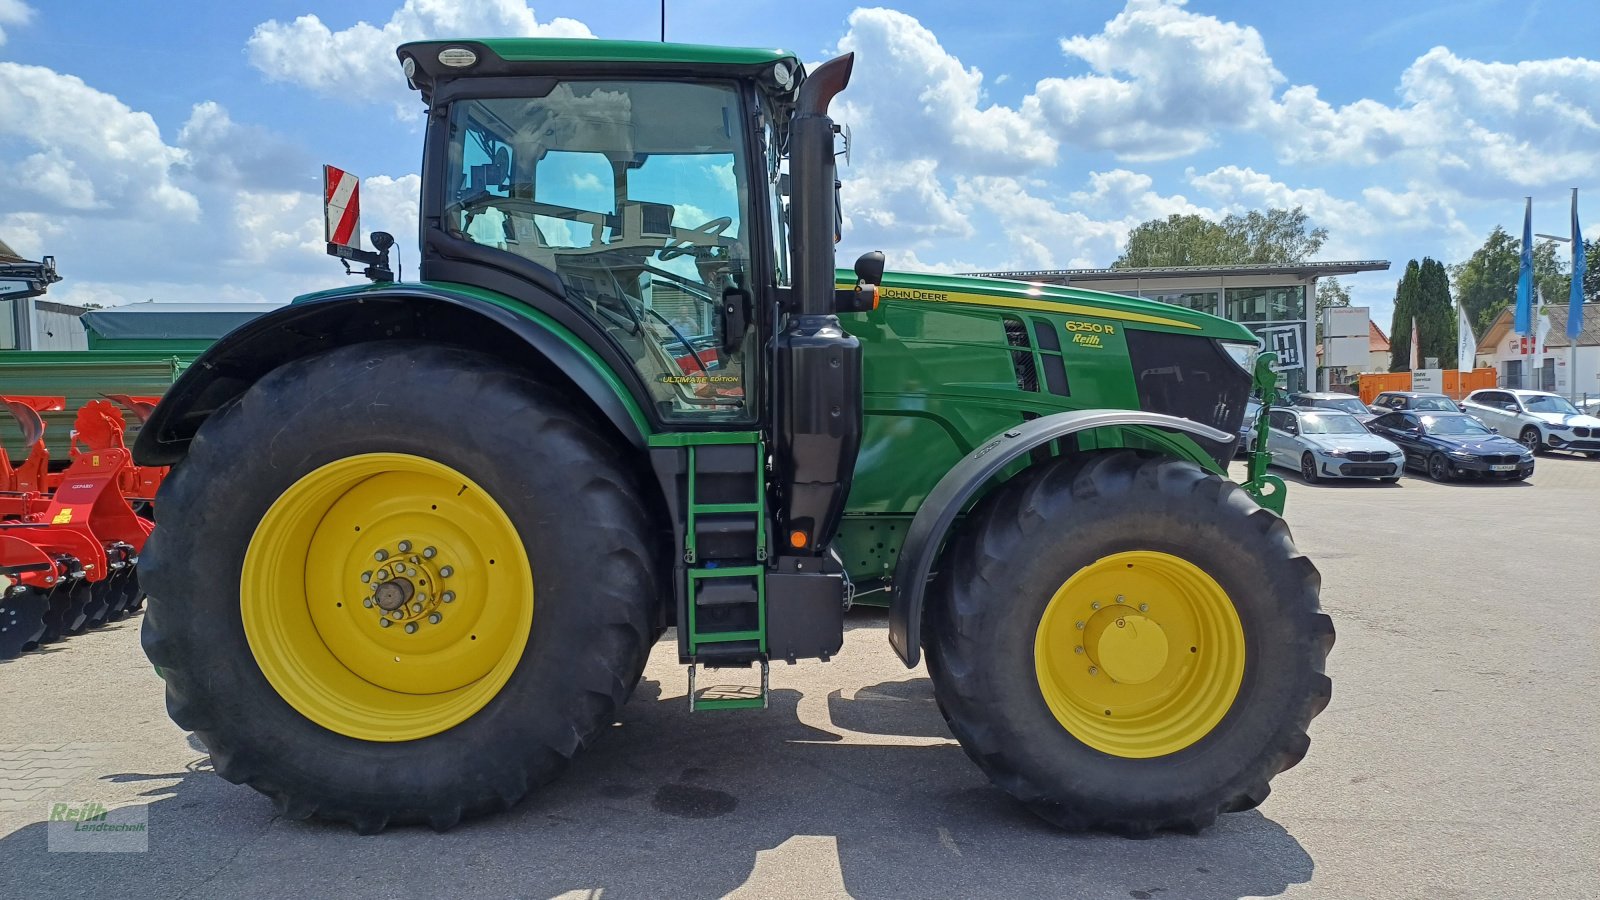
(1509, 407)
(869, 274)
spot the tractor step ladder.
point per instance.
(725, 548)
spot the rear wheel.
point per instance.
(398, 583)
(1128, 644)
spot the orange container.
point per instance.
(1456, 385)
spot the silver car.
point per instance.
(1321, 443)
(1539, 420)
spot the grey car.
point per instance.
(1320, 443)
(1333, 400)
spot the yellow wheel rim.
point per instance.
(386, 537)
(1140, 654)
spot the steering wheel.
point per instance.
(683, 246)
(682, 339)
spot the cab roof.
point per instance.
(523, 57)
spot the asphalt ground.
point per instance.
(1460, 757)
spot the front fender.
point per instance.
(926, 536)
(523, 335)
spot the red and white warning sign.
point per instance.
(341, 207)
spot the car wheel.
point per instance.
(1308, 468)
(1530, 438)
(1438, 467)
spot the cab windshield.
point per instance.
(1541, 403)
(1343, 404)
(1331, 423)
(1453, 425)
(636, 195)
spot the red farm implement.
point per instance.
(70, 540)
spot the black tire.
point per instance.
(559, 478)
(1531, 439)
(1021, 544)
(1438, 467)
(1308, 468)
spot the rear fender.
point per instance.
(525, 337)
(967, 478)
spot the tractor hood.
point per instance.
(1022, 295)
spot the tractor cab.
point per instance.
(648, 201)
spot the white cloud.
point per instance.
(13, 12)
(1039, 234)
(1132, 195)
(911, 97)
(1162, 81)
(91, 150)
(223, 152)
(1487, 127)
(358, 63)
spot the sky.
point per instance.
(172, 151)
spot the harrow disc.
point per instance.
(134, 593)
(117, 596)
(21, 621)
(67, 612)
(98, 606)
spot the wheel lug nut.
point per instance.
(414, 559)
(381, 555)
(384, 622)
(412, 572)
(397, 615)
(446, 572)
(1077, 650)
(423, 597)
(1093, 670)
(1080, 626)
(1144, 607)
(434, 619)
(448, 596)
(411, 628)
(383, 574)
(366, 577)
(428, 552)
(367, 602)
(1119, 598)
(405, 546)
(416, 607)
(1095, 605)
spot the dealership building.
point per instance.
(1275, 300)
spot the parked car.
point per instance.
(1349, 403)
(1421, 401)
(1325, 443)
(1449, 445)
(1247, 428)
(1539, 420)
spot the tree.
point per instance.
(1407, 297)
(1178, 241)
(1487, 282)
(1273, 236)
(1591, 272)
(1330, 293)
(1436, 316)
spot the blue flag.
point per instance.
(1524, 322)
(1575, 308)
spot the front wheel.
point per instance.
(1438, 467)
(1531, 439)
(1128, 643)
(1308, 468)
(397, 582)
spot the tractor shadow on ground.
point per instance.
(861, 792)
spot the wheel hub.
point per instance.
(408, 588)
(1132, 649)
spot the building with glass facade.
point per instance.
(1275, 300)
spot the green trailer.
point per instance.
(81, 376)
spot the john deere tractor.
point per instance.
(419, 538)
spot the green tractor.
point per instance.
(419, 538)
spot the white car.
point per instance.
(1539, 420)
